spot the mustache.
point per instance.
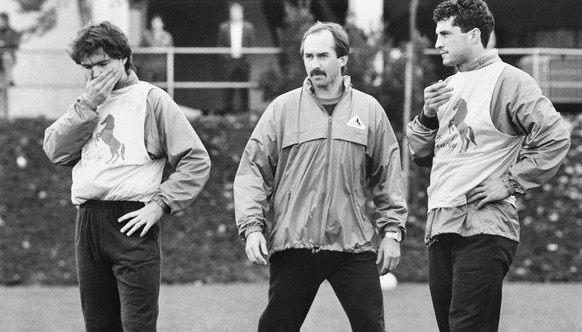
(317, 72)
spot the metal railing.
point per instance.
(558, 71)
(170, 84)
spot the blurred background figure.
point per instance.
(236, 33)
(154, 65)
(9, 42)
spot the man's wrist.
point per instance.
(394, 234)
(250, 231)
(165, 207)
(84, 102)
(512, 186)
(427, 121)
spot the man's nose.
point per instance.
(95, 73)
(315, 64)
(439, 43)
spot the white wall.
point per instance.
(47, 80)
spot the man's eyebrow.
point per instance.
(94, 64)
(317, 53)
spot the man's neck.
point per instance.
(475, 54)
(333, 90)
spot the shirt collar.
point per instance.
(484, 60)
(130, 80)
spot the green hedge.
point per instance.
(201, 244)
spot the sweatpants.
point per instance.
(466, 278)
(295, 277)
(119, 275)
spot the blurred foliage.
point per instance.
(46, 18)
(289, 72)
(31, 5)
(200, 244)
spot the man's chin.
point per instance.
(447, 63)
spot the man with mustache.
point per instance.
(303, 179)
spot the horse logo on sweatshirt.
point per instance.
(116, 148)
(458, 122)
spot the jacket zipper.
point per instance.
(329, 139)
(324, 213)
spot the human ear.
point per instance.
(475, 35)
(343, 60)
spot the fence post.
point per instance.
(170, 71)
(408, 89)
(3, 95)
(535, 70)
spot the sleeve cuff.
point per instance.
(251, 229)
(162, 204)
(512, 186)
(430, 123)
(83, 102)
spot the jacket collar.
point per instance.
(483, 60)
(308, 85)
(126, 83)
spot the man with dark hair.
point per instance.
(117, 136)
(9, 42)
(488, 134)
(236, 33)
(304, 175)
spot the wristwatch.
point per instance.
(396, 235)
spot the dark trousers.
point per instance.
(238, 70)
(295, 277)
(119, 275)
(466, 278)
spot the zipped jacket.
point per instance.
(304, 174)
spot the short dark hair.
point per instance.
(467, 15)
(105, 36)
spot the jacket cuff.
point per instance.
(162, 204)
(83, 102)
(249, 230)
(430, 123)
(512, 186)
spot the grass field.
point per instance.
(236, 307)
